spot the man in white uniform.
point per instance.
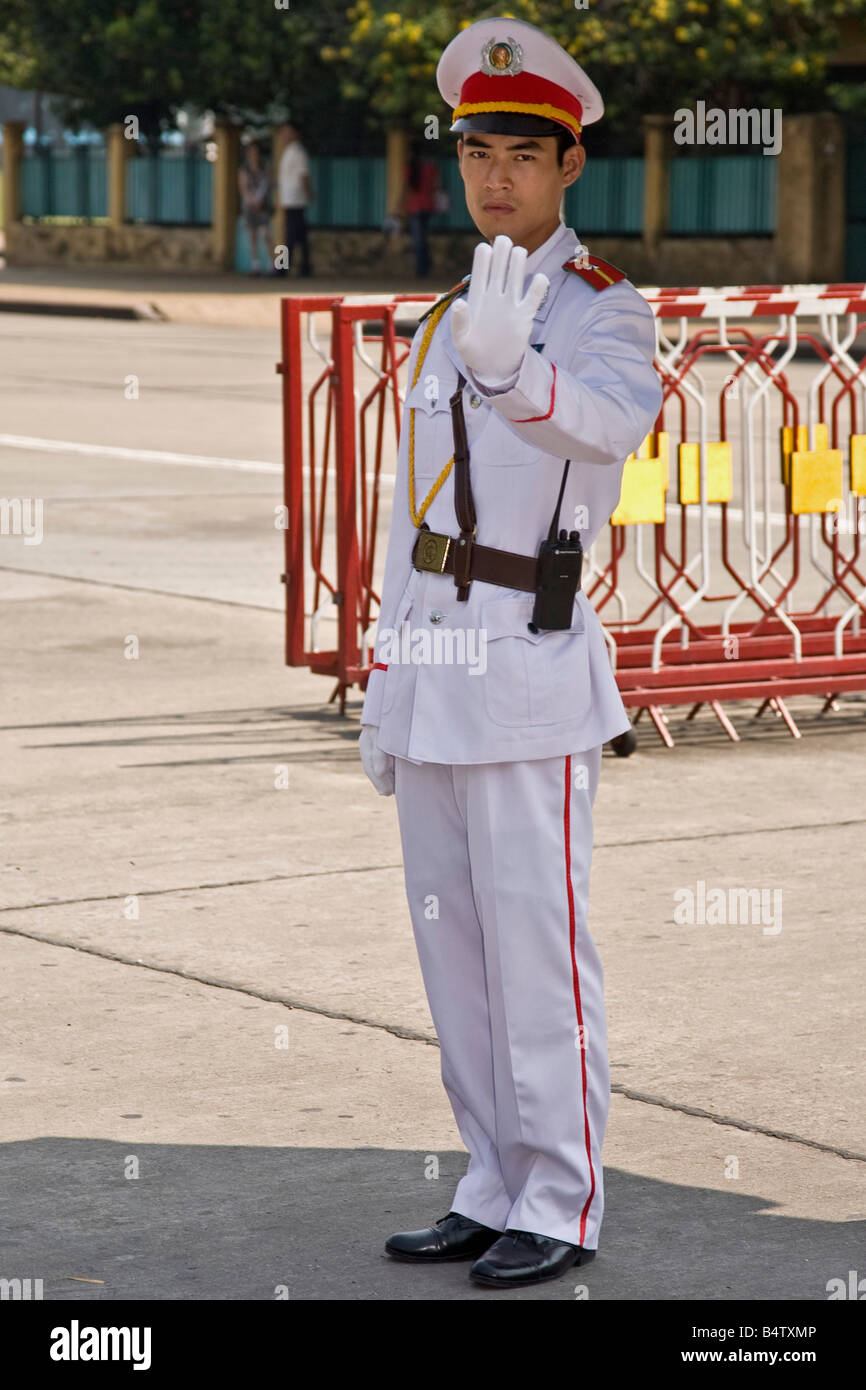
(491, 693)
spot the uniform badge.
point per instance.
(501, 59)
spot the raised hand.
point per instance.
(491, 326)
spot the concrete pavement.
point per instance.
(158, 886)
(228, 300)
(188, 837)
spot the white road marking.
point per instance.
(66, 446)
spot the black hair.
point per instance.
(519, 124)
(564, 139)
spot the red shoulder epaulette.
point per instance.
(446, 298)
(595, 271)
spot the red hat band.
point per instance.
(522, 92)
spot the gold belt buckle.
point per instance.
(431, 551)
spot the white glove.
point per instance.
(491, 326)
(378, 766)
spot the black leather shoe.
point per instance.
(454, 1237)
(521, 1257)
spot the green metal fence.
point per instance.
(717, 195)
(64, 183)
(723, 195)
(349, 192)
(607, 198)
(174, 187)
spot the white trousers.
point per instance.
(496, 859)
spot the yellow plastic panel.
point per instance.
(858, 464)
(655, 446)
(642, 497)
(720, 484)
(820, 442)
(816, 481)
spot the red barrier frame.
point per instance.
(698, 672)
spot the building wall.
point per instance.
(144, 247)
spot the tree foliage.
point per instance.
(644, 55)
(351, 69)
(107, 59)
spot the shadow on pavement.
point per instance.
(211, 1222)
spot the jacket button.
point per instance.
(436, 616)
(475, 402)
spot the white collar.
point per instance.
(533, 262)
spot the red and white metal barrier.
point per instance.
(715, 590)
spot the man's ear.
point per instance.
(572, 164)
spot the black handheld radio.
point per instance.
(560, 558)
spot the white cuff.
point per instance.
(529, 395)
(489, 387)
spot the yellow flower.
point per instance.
(798, 67)
(392, 20)
(701, 53)
(681, 34)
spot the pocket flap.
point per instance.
(430, 394)
(510, 617)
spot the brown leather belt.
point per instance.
(436, 553)
(461, 556)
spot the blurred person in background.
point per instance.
(296, 193)
(421, 180)
(254, 184)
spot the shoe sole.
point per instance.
(490, 1282)
(433, 1259)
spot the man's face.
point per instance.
(290, 134)
(514, 184)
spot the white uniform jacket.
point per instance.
(480, 687)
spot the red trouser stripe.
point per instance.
(378, 666)
(576, 980)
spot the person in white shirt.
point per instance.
(295, 193)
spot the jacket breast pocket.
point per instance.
(498, 445)
(533, 678)
(434, 440)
